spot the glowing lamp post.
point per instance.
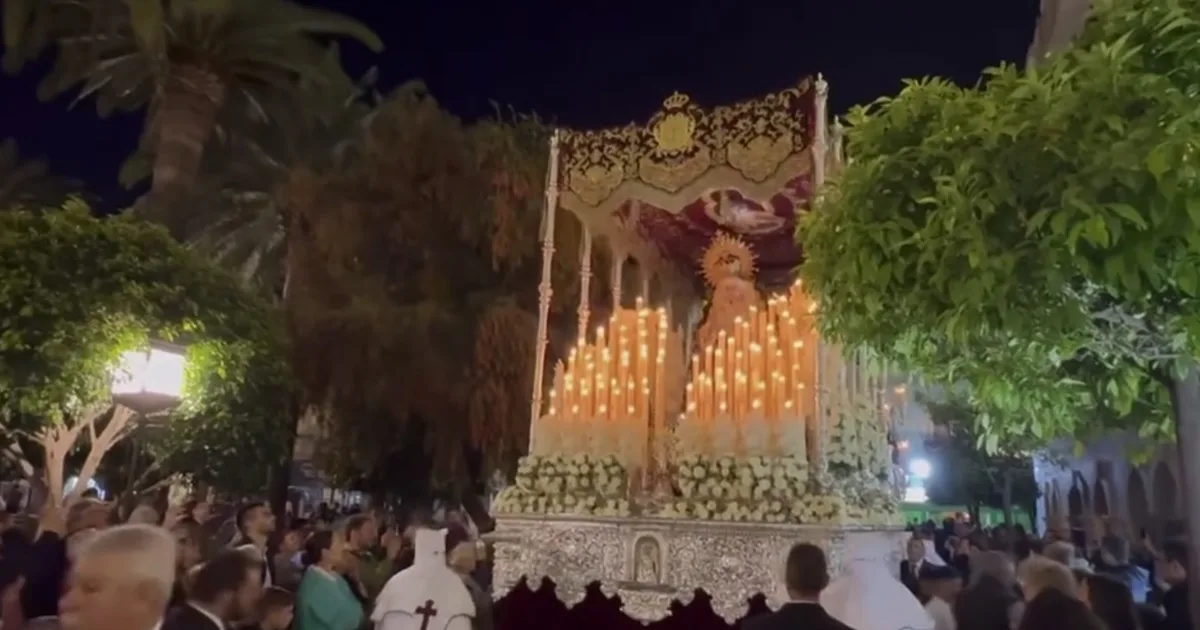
(150, 380)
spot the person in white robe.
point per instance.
(932, 557)
(429, 595)
(943, 584)
(866, 597)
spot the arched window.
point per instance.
(1139, 503)
(1165, 492)
(1100, 498)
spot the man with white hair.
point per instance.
(121, 580)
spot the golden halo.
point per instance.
(727, 256)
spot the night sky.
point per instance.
(593, 63)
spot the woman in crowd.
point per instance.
(324, 600)
(1111, 601)
(991, 600)
(462, 556)
(1038, 574)
(1053, 609)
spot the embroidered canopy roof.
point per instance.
(690, 173)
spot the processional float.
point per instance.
(670, 453)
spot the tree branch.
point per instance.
(122, 416)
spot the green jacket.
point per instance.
(325, 602)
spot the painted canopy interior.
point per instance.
(690, 173)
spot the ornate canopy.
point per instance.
(690, 173)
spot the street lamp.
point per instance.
(150, 380)
(920, 468)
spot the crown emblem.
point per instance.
(676, 101)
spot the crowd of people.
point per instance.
(184, 569)
(75, 569)
(1007, 579)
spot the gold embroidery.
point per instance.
(759, 159)
(681, 144)
(673, 128)
(675, 174)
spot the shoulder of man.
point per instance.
(761, 622)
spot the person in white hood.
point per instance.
(867, 597)
(428, 595)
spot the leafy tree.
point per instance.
(968, 474)
(75, 293)
(187, 61)
(28, 183)
(1037, 237)
(413, 308)
(234, 425)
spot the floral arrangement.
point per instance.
(856, 441)
(809, 509)
(869, 499)
(763, 489)
(567, 484)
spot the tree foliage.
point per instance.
(76, 292)
(187, 61)
(235, 421)
(967, 473)
(414, 272)
(1037, 236)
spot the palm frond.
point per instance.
(264, 54)
(235, 214)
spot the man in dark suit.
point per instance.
(225, 591)
(807, 574)
(910, 567)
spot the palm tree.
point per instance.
(1059, 23)
(236, 214)
(28, 184)
(187, 61)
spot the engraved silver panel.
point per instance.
(732, 562)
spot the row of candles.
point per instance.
(764, 366)
(615, 388)
(616, 385)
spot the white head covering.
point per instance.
(891, 605)
(430, 548)
(931, 555)
(427, 585)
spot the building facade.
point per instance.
(1104, 481)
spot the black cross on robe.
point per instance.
(426, 612)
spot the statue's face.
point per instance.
(731, 264)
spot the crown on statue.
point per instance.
(727, 256)
(678, 100)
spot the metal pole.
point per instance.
(818, 149)
(585, 282)
(544, 289)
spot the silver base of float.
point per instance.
(649, 562)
